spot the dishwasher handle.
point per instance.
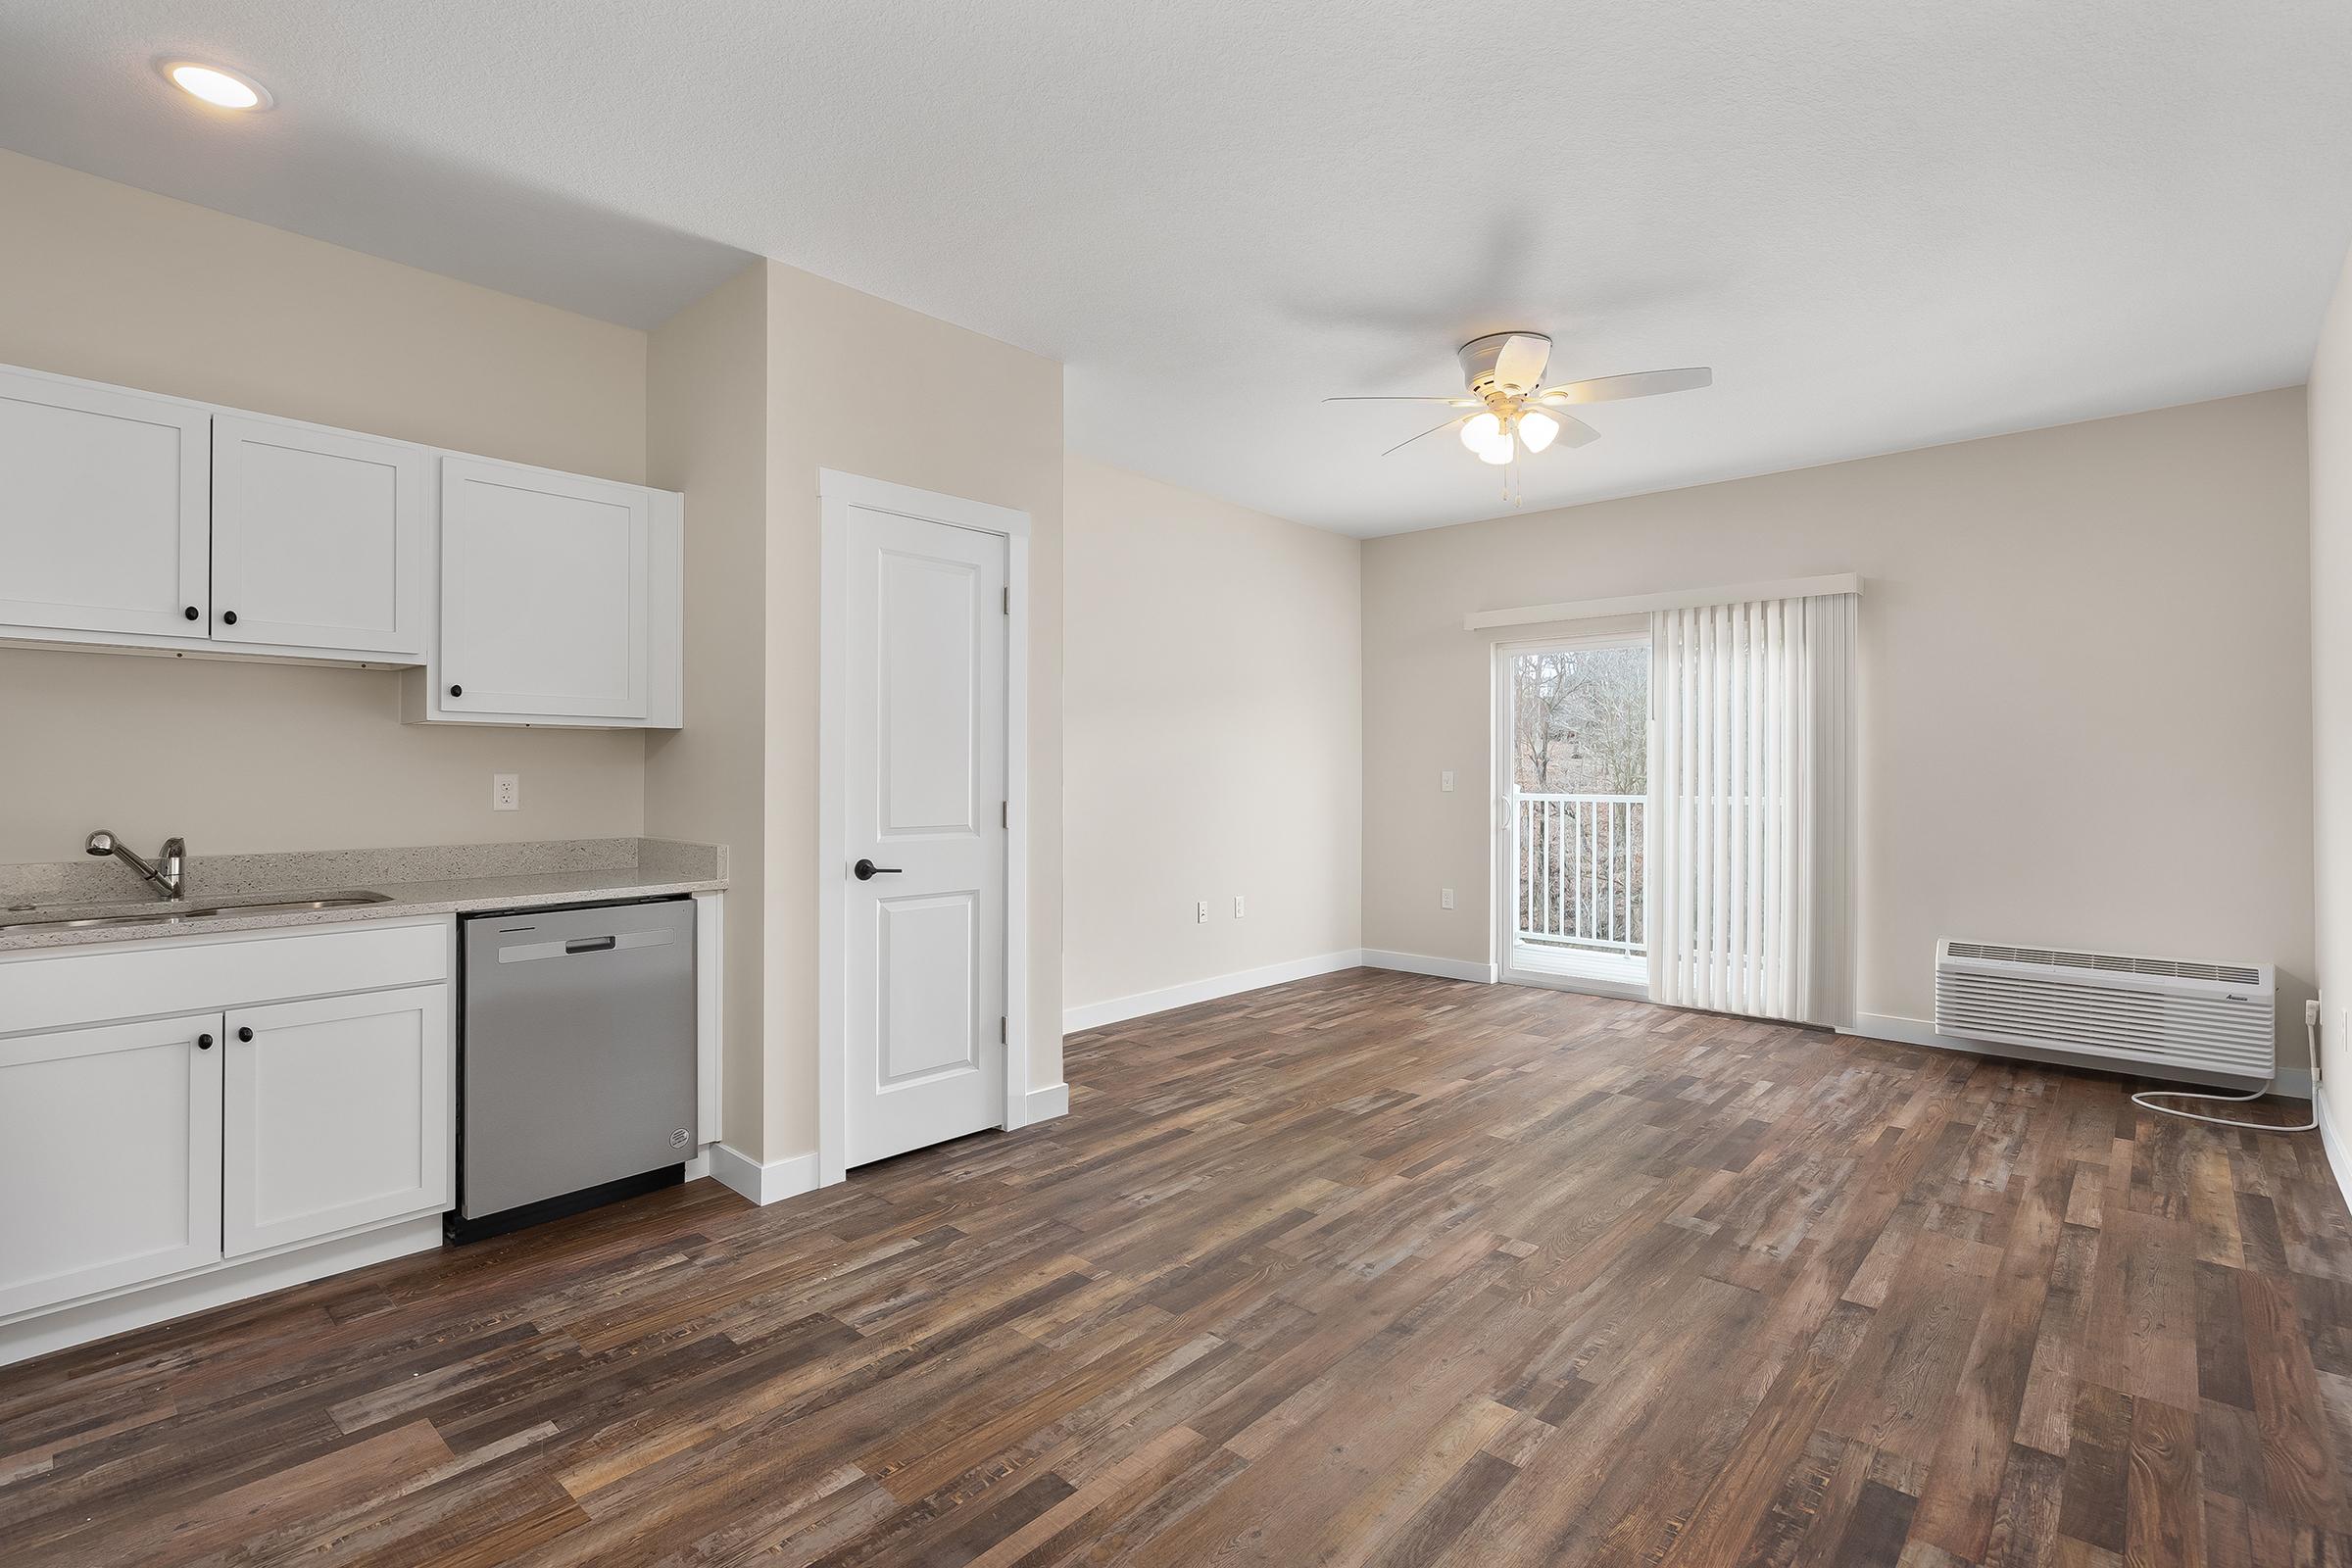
(568, 947)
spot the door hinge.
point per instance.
(1001, 1037)
(1008, 600)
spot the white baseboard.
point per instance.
(1119, 1009)
(2292, 1082)
(2339, 1159)
(1044, 1104)
(773, 1182)
(1416, 963)
(139, 1306)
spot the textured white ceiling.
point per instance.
(1886, 225)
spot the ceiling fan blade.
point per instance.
(1639, 384)
(1457, 402)
(1432, 430)
(1520, 361)
(1574, 433)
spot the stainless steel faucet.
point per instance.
(169, 875)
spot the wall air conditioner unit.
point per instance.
(2189, 1019)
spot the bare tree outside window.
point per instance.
(1579, 749)
(1583, 720)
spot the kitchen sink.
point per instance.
(66, 917)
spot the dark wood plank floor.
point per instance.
(1369, 1269)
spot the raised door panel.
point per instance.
(319, 538)
(103, 509)
(337, 1116)
(544, 593)
(110, 1155)
(927, 644)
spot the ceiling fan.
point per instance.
(1513, 412)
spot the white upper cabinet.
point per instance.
(103, 510)
(525, 595)
(319, 539)
(557, 594)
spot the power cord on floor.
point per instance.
(2311, 1033)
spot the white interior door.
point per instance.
(104, 509)
(319, 538)
(924, 811)
(543, 592)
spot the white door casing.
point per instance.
(89, 1208)
(105, 508)
(318, 537)
(925, 774)
(337, 1114)
(921, 1001)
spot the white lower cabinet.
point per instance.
(110, 1153)
(336, 1115)
(178, 1109)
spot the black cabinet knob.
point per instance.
(228, 618)
(192, 613)
(457, 691)
(204, 1042)
(244, 1034)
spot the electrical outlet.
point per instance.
(1445, 780)
(1237, 905)
(506, 792)
(1444, 898)
(1201, 912)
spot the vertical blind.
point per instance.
(1750, 853)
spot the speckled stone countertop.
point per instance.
(454, 879)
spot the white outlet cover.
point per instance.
(1201, 912)
(1444, 898)
(1445, 779)
(1237, 906)
(506, 792)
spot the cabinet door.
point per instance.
(102, 509)
(110, 1155)
(337, 1114)
(319, 538)
(543, 593)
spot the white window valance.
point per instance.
(1672, 598)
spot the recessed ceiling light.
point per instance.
(222, 89)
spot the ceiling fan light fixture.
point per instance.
(1480, 431)
(1538, 429)
(1496, 452)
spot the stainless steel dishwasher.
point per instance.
(575, 1061)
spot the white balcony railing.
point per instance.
(1580, 872)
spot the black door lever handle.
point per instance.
(867, 870)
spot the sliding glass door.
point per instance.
(1572, 721)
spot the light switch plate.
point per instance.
(506, 792)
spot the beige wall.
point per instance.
(988, 429)
(708, 435)
(1214, 707)
(2331, 689)
(2085, 686)
(115, 284)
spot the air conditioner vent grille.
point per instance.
(2183, 1016)
(2235, 974)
